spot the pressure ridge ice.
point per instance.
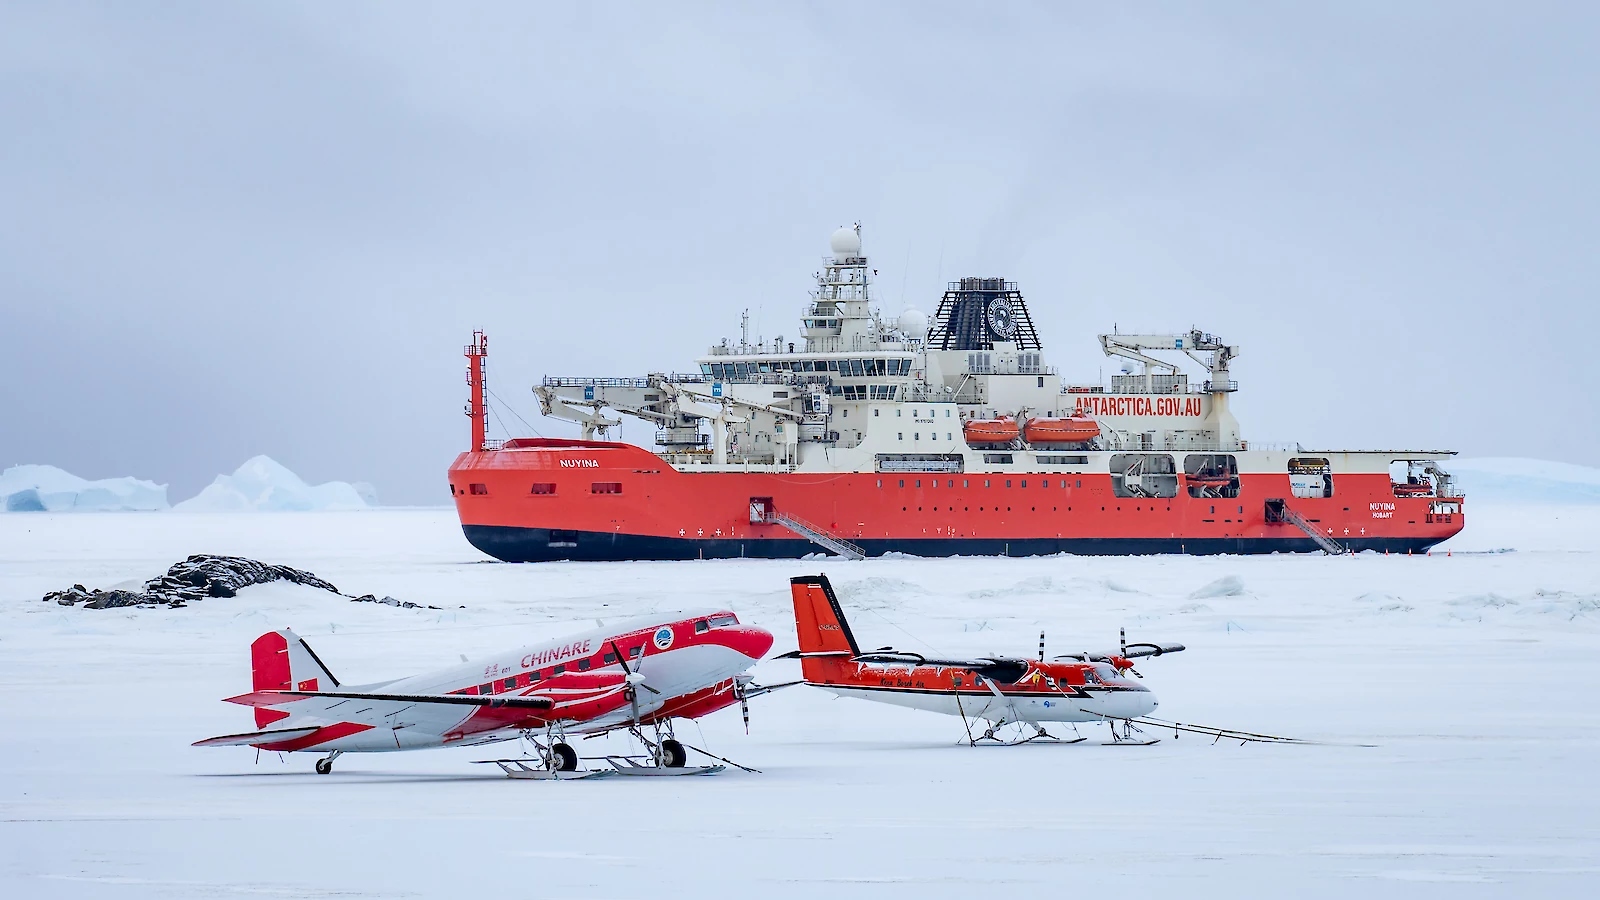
(263, 485)
(49, 489)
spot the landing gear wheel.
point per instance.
(673, 756)
(563, 758)
(324, 766)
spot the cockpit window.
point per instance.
(1106, 673)
(701, 627)
(723, 620)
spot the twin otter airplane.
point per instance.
(629, 676)
(1085, 687)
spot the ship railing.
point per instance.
(667, 439)
(1219, 387)
(570, 381)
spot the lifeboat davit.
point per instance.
(1075, 430)
(990, 432)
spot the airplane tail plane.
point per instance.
(826, 642)
(282, 661)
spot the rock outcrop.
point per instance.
(201, 576)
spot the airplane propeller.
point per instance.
(740, 684)
(634, 680)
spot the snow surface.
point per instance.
(1473, 673)
(262, 484)
(47, 488)
(1526, 480)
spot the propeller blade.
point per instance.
(633, 676)
(621, 659)
(740, 682)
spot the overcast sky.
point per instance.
(232, 229)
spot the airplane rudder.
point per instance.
(820, 626)
(269, 671)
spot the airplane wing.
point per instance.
(256, 737)
(1133, 651)
(279, 698)
(434, 712)
(993, 668)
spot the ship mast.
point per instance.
(477, 354)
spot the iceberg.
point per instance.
(264, 485)
(1525, 480)
(36, 488)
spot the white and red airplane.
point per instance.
(627, 676)
(1086, 687)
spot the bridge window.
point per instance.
(543, 489)
(609, 658)
(583, 665)
(485, 689)
(723, 620)
(479, 489)
(605, 487)
(701, 626)
(1310, 476)
(558, 670)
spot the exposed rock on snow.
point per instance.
(201, 576)
(262, 484)
(49, 489)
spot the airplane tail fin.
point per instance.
(282, 661)
(826, 641)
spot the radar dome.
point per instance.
(913, 323)
(845, 243)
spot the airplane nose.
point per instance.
(1134, 703)
(749, 640)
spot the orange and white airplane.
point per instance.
(630, 676)
(1086, 687)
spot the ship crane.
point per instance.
(1128, 346)
(590, 420)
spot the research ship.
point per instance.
(863, 436)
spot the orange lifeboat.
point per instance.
(1061, 431)
(988, 432)
(1415, 489)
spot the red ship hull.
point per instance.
(540, 500)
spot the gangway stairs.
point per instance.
(1327, 543)
(830, 542)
